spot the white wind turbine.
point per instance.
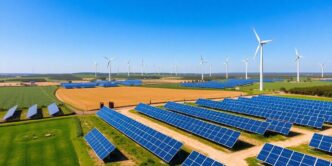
(226, 65)
(128, 64)
(261, 43)
(297, 60)
(176, 69)
(246, 62)
(210, 70)
(322, 66)
(109, 65)
(202, 62)
(96, 67)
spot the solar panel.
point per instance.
(159, 144)
(32, 111)
(321, 142)
(214, 133)
(53, 109)
(99, 143)
(275, 155)
(246, 124)
(279, 126)
(10, 113)
(197, 159)
(240, 106)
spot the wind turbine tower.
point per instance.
(109, 65)
(297, 60)
(261, 43)
(96, 67)
(202, 62)
(128, 64)
(226, 64)
(246, 62)
(322, 66)
(210, 70)
(142, 67)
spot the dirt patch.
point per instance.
(90, 98)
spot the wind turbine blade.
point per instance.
(257, 49)
(106, 58)
(296, 52)
(257, 37)
(266, 41)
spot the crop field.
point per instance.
(46, 142)
(26, 96)
(89, 98)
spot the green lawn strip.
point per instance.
(131, 150)
(24, 97)
(207, 142)
(40, 142)
(252, 161)
(304, 148)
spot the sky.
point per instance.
(67, 36)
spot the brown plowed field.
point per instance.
(90, 98)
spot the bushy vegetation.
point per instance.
(316, 90)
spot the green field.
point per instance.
(45, 142)
(27, 96)
(276, 86)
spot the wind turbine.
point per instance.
(226, 64)
(109, 65)
(202, 62)
(297, 60)
(246, 61)
(176, 69)
(210, 70)
(322, 66)
(261, 43)
(128, 63)
(96, 67)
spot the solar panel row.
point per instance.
(217, 134)
(53, 109)
(10, 113)
(197, 159)
(159, 144)
(300, 106)
(242, 123)
(32, 111)
(99, 143)
(259, 111)
(321, 142)
(279, 126)
(275, 155)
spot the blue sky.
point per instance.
(64, 36)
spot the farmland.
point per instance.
(26, 96)
(45, 142)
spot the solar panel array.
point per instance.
(275, 155)
(243, 106)
(130, 82)
(159, 144)
(300, 106)
(10, 113)
(32, 111)
(279, 126)
(99, 143)
(197, 159)
(53, 109)
(321, 142)
(79, 85)
(217, 134)
(246, 124)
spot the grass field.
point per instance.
(26, 96)
(44, 142)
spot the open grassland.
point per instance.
(27, 96)
(90, 98)
(45, 142)
(304, 148)
(132, 153)
(276, 86)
